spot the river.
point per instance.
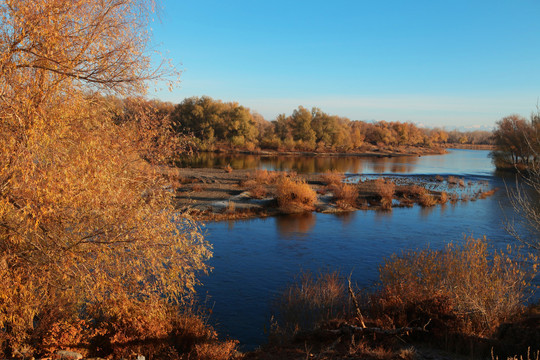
(254, 260)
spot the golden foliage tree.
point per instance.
(83, 217)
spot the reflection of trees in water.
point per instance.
(393, 164)
(426, 211)
(346, 218)
(303, 164)
(288, 225)
(381, 215)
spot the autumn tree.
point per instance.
(515, 141)
(518, 141)
(84, 218)
(302, 131)
(213, 120)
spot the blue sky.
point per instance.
(437, 63)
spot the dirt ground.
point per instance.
(225, 194)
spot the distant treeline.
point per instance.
(215, 124)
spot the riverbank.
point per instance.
(367, 150)
(210, 194)
(470, 146)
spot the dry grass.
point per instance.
(439, 178)
(426, 200)
(464, 288)
(258, 191)
(295, 196)
(309, 302)
(257, 182)
(345, 195)
(198, 188)
(269, 177)
(485, 194)
(332, 177)
(216, 351)
(443, 199)
(452, 180)
(413, 191)
(385, 189)
(530, 356)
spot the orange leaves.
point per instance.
(83, 215)
(484, 288)
(295, 196)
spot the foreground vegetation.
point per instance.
(465, 298)
(93, 255)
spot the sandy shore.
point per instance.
(225, 194)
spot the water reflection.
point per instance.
(290, 226)
(457, 162)
(303, 164)
(346, 218)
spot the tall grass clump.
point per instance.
(310, 301)
(385, 189)
(345, 195)
(295, 196)
(463, 288)
(332, 177)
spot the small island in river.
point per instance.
(214, 194)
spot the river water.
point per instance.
(254, 260)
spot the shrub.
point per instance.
(295, 196)
(267, 177)
(427, 200)
(332, 177)
(258, 191)
(452, 180)
(478, 289)
(386, 190)
(345, 195)
(443, 198)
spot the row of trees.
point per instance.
(212, 121)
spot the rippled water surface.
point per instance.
(254, 260)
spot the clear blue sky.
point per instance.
(438, 63)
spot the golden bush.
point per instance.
(332, 177)
(295, 196)
(345, 195)
(481, 288)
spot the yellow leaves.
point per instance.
(75, 224)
